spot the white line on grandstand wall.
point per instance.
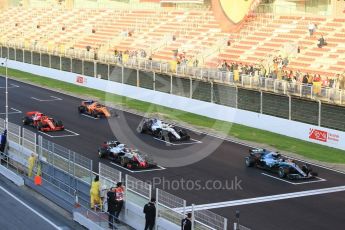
(10, 86)
(265, 199)
(295, 183)
(15, 111)
(45, 100)
(138, 171)
(31, 209)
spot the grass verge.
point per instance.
(283, 143)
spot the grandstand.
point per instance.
(182, 32)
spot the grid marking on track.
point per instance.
(319, 179)
(138, 171)
(53, 98)
(72, 134)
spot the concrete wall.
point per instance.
(311, 133)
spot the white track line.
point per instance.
(177, 143)
(15, 111)
(295, 183)
(45, 100)
(31, 209)
(266, 198)
(57, 136)
(9, 86)
(138, 171)
(95, 118)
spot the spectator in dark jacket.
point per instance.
(111, 200)
(186, 223)
(150, 214)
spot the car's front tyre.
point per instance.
(249, 162)
(283, 172)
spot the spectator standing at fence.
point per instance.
(150, 214)
(31, 164)
(95, 199)
(111, 202)
(120, 191)
(186, 223)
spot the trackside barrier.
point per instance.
(108, 176)
(2, 124)
(29, 140)
(207, 218)
(139, 187)
(67, 160)
(64, 170)
(13, 132)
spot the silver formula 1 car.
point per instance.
(162, 130)
(274, 162)
(126, 157)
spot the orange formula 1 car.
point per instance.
(42, 122)
(95, 109)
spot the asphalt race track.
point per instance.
(30, 210)
(219, 174)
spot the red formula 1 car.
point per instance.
(42, 122)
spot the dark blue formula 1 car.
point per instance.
(274, 162)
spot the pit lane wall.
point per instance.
(311, 133)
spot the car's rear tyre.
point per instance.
(282, 172)
(39, 126)
(94, 114)
(81, 109)
(26, 120)
(123, 162)
(160, 136)
(59, 123)
(249, 162)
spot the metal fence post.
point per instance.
(193, 217)
(91, 172)
(74, 164)
(171, 86)
(157, 208)
(108, 76)
(319, 120)
(40, 146)
(137, 78)
(190, 88)
(289, 107)
(236, 99)
(211, 91)
(261, 101)
(60, 66)
(122, 72)
(150, 192)
(95, 69)
(225, 224)
(154, 81)
(126, 192)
